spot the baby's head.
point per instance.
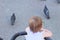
(35, 23)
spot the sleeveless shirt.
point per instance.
(34, 36)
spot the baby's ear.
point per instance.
(42, 28)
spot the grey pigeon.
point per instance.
(46, 12)
(13, 18)
(58, 1)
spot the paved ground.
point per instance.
(23, 10)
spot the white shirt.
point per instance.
(33, 36)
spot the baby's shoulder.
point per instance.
(27, 29)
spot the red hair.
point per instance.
(35, 23)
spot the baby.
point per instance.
(35, 30)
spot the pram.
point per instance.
(25, 33)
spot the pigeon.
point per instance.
(13, 18)
(46, 12)
(58, 1)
